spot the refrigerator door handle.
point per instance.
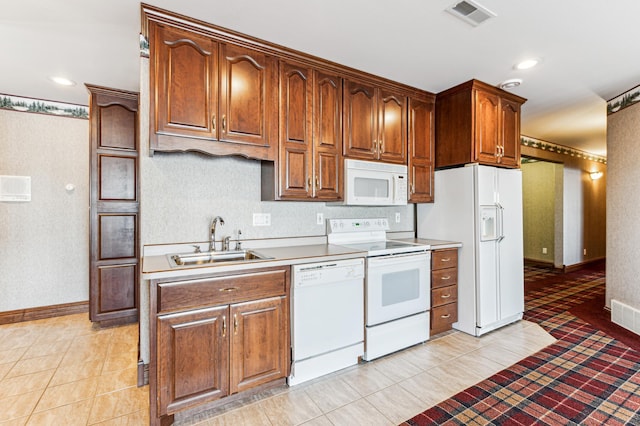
(500, 221)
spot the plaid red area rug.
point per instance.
(585, 378)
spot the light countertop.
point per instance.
(433, 244)
(157, 266)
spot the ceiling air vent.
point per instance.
(470, 12)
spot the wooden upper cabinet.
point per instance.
(211, 96)
(374, 123)
(392, 124)
(310, 134)
(296, 144)
(247, 90)
(421, 147)
(360, 119)
(186, 66)
(486, 129)
(327, 135)
(478, 123)
(509, 131)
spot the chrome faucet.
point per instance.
(212, 235)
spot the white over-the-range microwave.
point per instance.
(368, 183)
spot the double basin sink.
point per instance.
(214, 257)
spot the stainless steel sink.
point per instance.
(214, 257)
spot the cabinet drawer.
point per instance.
(444, 259)
(442, 317)
(444, 277)
(213, 291)
(443, 295)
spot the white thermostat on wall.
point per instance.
(15, 188)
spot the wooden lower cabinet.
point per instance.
(258, 343)
(444, 290)
(193, 358)
(215, 336)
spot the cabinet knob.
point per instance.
(309, 182)
(445, 259)
(380, 147)
(374, 146)
(224, 123)
(445, 296)
(317, 182)
(213, 122)
(445, 316)
(235, 323)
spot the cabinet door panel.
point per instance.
(116, 288)
(328, 174)
(328, 136)
(117, 236)
(192, 358)
(186, 78)
(259, 342)
(118, 180)
(421, 146)
(116, 123)
(486, 129)
(510, 133)
(247, 90)
(392, 123)
(295, 131)
(360, 115)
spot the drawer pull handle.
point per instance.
(445, 259)
(229, 289)
(445, 277)
(445, 296)
(235, 324)
(213, 122)
(224, 326)
(445, 316)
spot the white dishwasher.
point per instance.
(327, 311)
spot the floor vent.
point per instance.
(625, 316)
(470, 12)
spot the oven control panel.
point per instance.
(358, 225)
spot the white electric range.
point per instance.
(397, 284)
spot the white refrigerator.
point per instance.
(481, 207)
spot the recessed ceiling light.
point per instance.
(527, 63)
(63, 81)
(510, 84)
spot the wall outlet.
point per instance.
(319, 219)
(262, 219)
(397, 217)
(544, 250)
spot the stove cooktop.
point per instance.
(368, 235)
(385, 247)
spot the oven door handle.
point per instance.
(397, 258)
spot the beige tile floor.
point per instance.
(62, 371)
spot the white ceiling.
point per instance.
(589, 48)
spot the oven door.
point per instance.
(397, 286)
